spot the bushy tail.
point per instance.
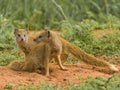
(25, 65)
(17, 65)
(83, 56)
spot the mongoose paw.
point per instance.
(65, 69)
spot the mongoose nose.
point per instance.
(22, 39)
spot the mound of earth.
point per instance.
(57, 76)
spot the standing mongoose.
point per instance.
(60, 44)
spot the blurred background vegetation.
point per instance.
(76, 18)
(39, 14)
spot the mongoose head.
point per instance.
(21, 35)
(44, 36)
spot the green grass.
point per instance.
(108, 45)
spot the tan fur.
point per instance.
(28, 43)
(59, 42)
(55, 45)
(36, 61)
(37, 55)
(25, 44)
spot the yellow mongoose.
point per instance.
(24, 43)
(31, 62)
(55, 44)
(36, 61)
(60, 43)
(36, 54)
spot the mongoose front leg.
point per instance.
(47, 68)
(46, 59)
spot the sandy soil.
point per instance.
(57, 76)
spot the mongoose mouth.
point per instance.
(35, 40)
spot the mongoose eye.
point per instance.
(24, 35)
(18, 35)
(40, 36)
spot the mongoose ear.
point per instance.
(48, 32)
(27, 30)
(15, 30)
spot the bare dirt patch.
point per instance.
(57, 76)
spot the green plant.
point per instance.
(38, 14)
(9, 85)
(108, 45)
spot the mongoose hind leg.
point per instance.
(60, 63)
